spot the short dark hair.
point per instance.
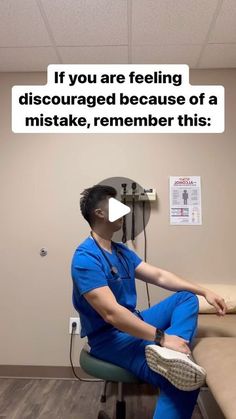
(91, 198)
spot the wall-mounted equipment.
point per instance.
(147, 194)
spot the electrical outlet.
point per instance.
(77, 321)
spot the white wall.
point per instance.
(41, 179)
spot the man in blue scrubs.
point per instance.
(155, 343)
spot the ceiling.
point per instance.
(35, 33)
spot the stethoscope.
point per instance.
(113, 269)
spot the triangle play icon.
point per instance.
(116, 209)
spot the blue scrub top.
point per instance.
(90, 270)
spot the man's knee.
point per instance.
(188, 295)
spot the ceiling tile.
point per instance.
(27, 59)
(225, 27)
(81, 22)
(166, 54)
(94, 55)
(171, 21)
(22, 24)
(218, 56)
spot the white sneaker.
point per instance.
(176, 367)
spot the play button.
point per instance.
(137, 219)
(116, 209)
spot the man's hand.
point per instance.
(176, 343)
(216, 301)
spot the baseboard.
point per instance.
(46, 372)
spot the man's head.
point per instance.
(94, 206)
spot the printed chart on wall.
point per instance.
(185, 200)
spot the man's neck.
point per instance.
(104, 239)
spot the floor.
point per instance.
(69, 399)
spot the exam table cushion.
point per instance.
(211, 325)
(217, 356)
(227, 291)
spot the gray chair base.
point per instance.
(109, 373)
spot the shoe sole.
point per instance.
(182, 374)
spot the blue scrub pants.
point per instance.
(176, 315)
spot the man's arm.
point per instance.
(165, 279)
(104, 302)
(172, 282)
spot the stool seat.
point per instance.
(105, 370)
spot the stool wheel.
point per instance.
(103, 415)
